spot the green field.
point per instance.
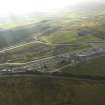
(61, 37)
(67, 37)
(95, 67)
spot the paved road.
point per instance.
(11, 64)
(17, 46)
(35, 61)
(96, 42)
(38, 41)
(33, 42)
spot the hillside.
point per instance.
(45, 91)
(55, 58)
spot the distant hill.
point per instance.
(14, 36)
(81, 18)
(89, 6)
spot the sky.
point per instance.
(20, 7)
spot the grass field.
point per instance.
(60, 37)
(67, 37)
(94, 67)
(47, 91)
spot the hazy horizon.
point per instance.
(23, 7)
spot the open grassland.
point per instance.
(95, 67)
(67, 37)
(47, 91)
(61, 37)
